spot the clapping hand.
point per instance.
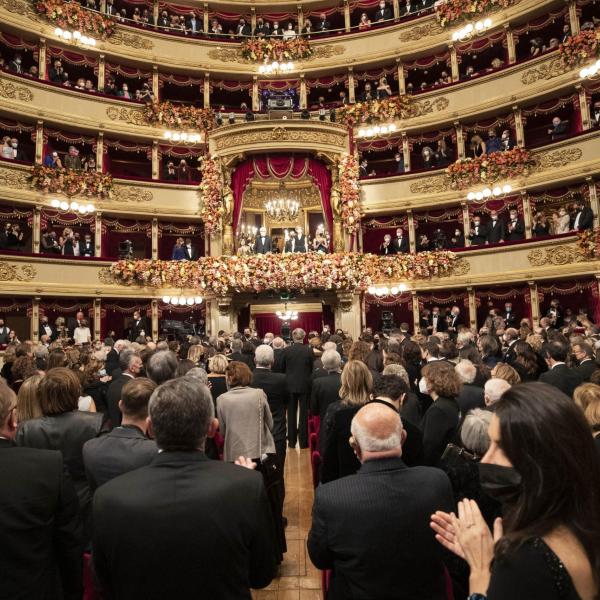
(247, 463)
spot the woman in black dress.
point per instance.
(543, 466)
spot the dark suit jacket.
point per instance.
(120, 451)
(261, 248)
(517, 234)
(113, 395)
(40, 526)
(586, 220)
(240, 357)
(470, 397)
(400, 246)
(278, 364)
(86, 249)
(565, 379)
(497, 233)
(42, 332)
(375, 549)
(112, 361)
(585, 369)
(198, 526)
(439, 428)
(339, 459)
(275, 387)
(510, 318)
(297, 365)
(325, 390)
(441, 322)
(383, 15)
(300, 245)
(509, 355)
(479, 239)
(387, 250)
(72, 325)
(137, 327)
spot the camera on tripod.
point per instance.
(125, 249)
(387, 321)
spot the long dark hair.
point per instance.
(548, 441)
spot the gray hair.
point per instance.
(278, 343)
(236, 345)
(398, 371)
(466, 371)
(126, 358)
(298, 334)
(181, 412)
(474, 431)
(198, 373)
(494, 388)
(465, 338)
(329, 346)
(41, 351)
(161, 366)
(366, 438)
(331, 360)
(264, 356)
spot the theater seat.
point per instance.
(315, 461)
(89, 589)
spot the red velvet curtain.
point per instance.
(244, 171)
(322, 178)
(270, 323)
(402, 314)
(497, 297)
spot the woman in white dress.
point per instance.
(562, 221)
(82, 334)
(290, 32)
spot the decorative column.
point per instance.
(42, 58)
(584, 108)
(206, 90)
(511, 47)
(573, 18)
(154, 239)
(300, 18)
(594, 202)
(454, 62)
(303, 99)
(154, 318)
(252, 18)
(347, 21)
(155, 86)
(35, 320)
(519, 129)
(535, 301)
(206, 22)
(472, 309)
(351, 89)
(339, 244)
(460, 140)
(347, 313)
(155, 11)
(396, 9)
(527, 216)
(97, 318)
(401, 77)
(221, 315)
(39, 142)
(255, 93)
(36, 229)
(415, 311)
(412, 237)
(406, 152)
(466, 222)
(98, 233)
(155, 163)
(101, 72)
(100, 152)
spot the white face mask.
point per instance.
(423, 386)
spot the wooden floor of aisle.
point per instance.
(298, 579)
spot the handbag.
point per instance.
(267, 463)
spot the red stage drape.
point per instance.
(270, 323)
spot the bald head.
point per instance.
(377, 432)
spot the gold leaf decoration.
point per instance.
(15, 92)
(425, 107)
(414, 34)
(127, 193)
(105, 275)
(133, 116)
(14, 178)
(122, 38)
(325, 51)
(429, 185)
(10, 272)
(555, 159)
(543, 72)
(557, 256)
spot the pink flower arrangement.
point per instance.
(350, 210)
(179, 117)
(489, 168)
(274, 49)
(589, 244)
(71, 15)
(374, 111)
(451, 11)
(211, 187)
(297, 271)
(581, 48)
(71, 183)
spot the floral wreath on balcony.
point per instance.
(71, 183)
(375, 111)
(179, 117)
(449, 12)
(272, 49)
(349, 207)
(296, 271)
(580, 48)
(588, 244)
(211, 186)
(71, 15)
(490, 168)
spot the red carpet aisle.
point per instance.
(298, 579)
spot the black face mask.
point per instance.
(501, 483)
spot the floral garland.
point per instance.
(375, 111)
(273, 49)
(450, 11)
(489, 168)
(349, 209)
(71, 15)
(180, 117)
(212, 209)
(580, 48)
(71, 183)
(589, 244)
(296, 271)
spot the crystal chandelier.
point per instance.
(282, 210)
(287, 315)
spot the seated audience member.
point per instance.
(364, 23)
(546, 546)
(506, 141)
(131, 525)
(515, 228)
(387, 247)
(479, 232)
(559, 375)
(584, 217)
(400, 554)
(541, 227)
(53, 161)
(559, 129)
(356, 386)
(493, 390)
(39, 522)
(561, 221)
(126, 447)
(428, 158)
(493, 144)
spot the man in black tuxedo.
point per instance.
(243, 29)
(138, 327)
(190, 249)
(236, 353)
(263, 243)
(163, 20)
(262, 28)
(193, 24)
(215, 538)
(86, 245)
(555, 314)
(510, 319)
(126, 447)
(479, 232)
(356, 531)
(300, 240)
(584, 217)
(278, 348)
(323, 24)
(584, 355)
(454, 321)
(495, 229)
(130, 365)
(73, 323)
(400, 242)
(46, 329)
(40, 527)
(435, 321)
(276, 31)
(558, 374)
(387, 247)
(515, 230)
(511, 337)
(559, 129)
(383, 13)
(298, 366)
(325, 389)
(4, 333)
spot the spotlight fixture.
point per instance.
(182, 136)
(275, 68)
(382, 291)
(591, 72)
(182, 300)
(73, 207)
(470, 30)
(487, 192)
(377, 130)
(74, 37)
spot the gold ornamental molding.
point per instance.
(122, 38)
(131, 194)
(544, 71)
(15, 92)
(319, 52)
(133, 116)
(459, 268)
(555, 159)
(10, 272)
(425, 107)
(18, 7)
(280, 134)
(428, 185)
(14, 178)
(414, 34)
(105, 276)
(558, 255)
